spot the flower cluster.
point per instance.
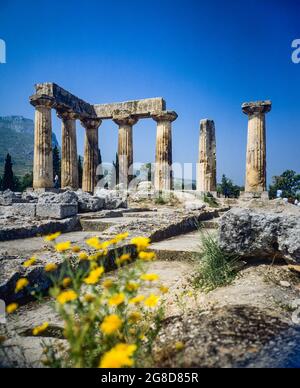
(109, 321)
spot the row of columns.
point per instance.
(43, 158)
(256, 165)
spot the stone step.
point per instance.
(180, 248)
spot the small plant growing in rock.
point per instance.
(109, 321)
(210, 200)
(216, 267)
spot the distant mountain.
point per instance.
(17, 139)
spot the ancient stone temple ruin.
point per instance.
(70, 108)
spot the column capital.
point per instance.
(66, 115)
(42, 101)
(121, 119)
(257, 107)
(165, 116)
(91, 123)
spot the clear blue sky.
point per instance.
(204, 57)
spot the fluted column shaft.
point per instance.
(256, 165)
(69, 159)
(125, 148)
(163, 166)
(43, 157)
(207, 164)
(91, 154)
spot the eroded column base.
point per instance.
(246, 195)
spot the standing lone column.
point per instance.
(256, 165)
(207, 167)
(125, 148)
(91, 154)
(43, 157)
(69, 161)
(163, 166)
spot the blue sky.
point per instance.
(204, 57)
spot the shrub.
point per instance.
(216, 267)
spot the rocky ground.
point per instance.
(250, 323)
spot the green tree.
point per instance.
(80, 171)
(288, 182)
(26, 181)
(8, 177)
(56, 163)
(228, 188)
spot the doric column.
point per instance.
(207, 163)
(91, 154)
(43, 157)
(163, 164)
(125, 148)
(256, 176)
(69, 160)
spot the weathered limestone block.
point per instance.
(8, 197)
(207, 166)
(139, 108)
(113, 199)
(24, 209)
(163, 167)
(256, 165)
(91, 154)
(56, 211)
(89, 203)
(261, 233)
(69, 160)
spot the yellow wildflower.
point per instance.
(29, 262)
(179, 345)
(119, 356)
(122, 236)
(164, 289)
(108, 283)
(11, 308)
(94, 243)
(111, 324)
(121, 260)
(116, 300)
(89, 298)
(142, 243)
(66, 297)
(21, 283)
(150, 277)
(147, 256)
(135, 316)
(63, 246)
(40, 329)
(137, 299)
(94, 276)
(76, 249)
(50, 267)
(52, 237)
(108, 243)
(151, 301)
(83, 256)
(66, 282)
(131, 286)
